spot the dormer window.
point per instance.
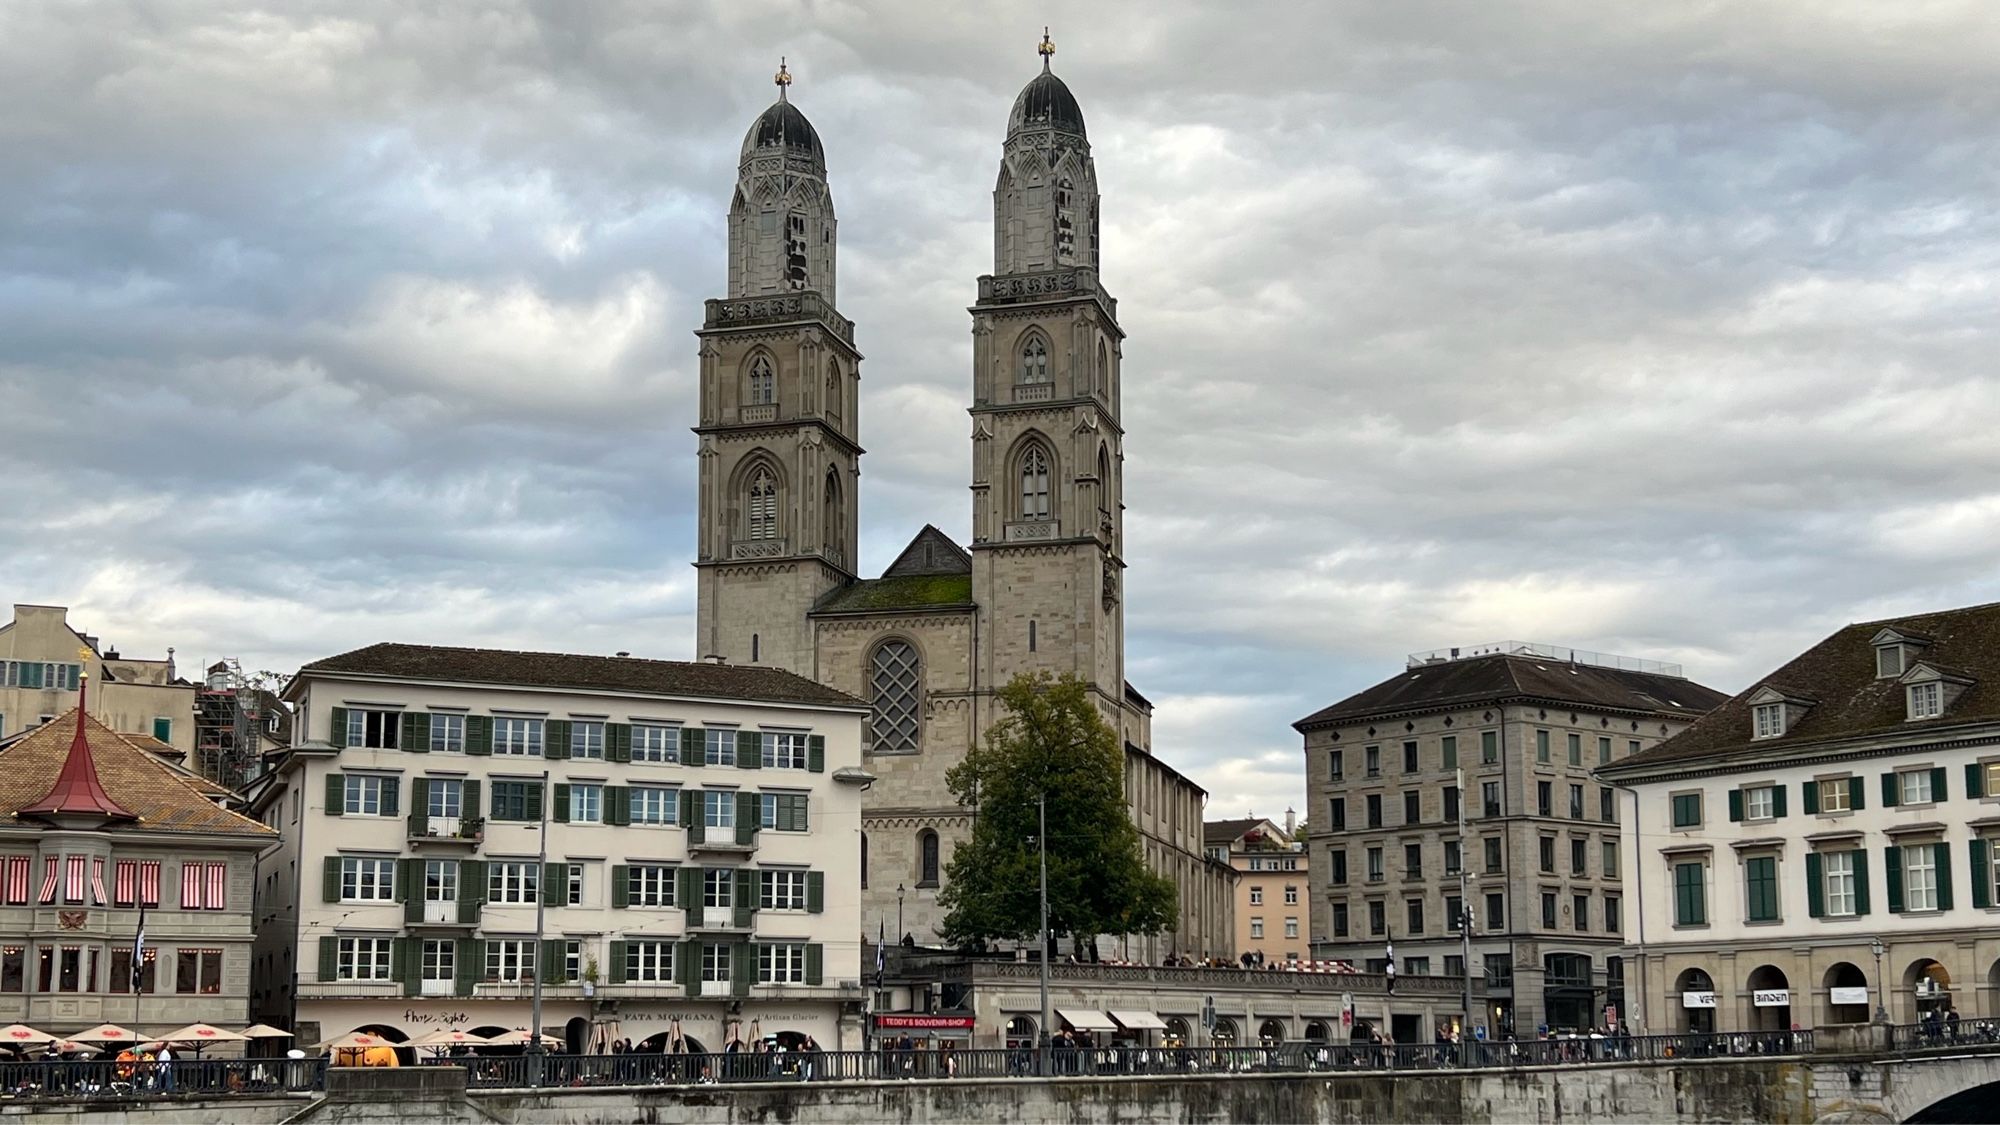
(1768, 720)
(1888, 661)
(1926, 700)
(1930, 688)
(1896, 651)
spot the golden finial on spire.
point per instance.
(783, 78)
(1047, 49)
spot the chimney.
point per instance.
(713, 658)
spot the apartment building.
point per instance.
(43, 661)
(687, 834)
(1273, 897)
(1519, 726)
(1820, 848)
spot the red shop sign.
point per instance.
(924, 1023)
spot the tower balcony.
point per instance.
(1034, 392)
(757, 415)
(760, 548)
(1033, 531)
(790, 308)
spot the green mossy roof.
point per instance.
(917, 591)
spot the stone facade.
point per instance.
(1041, 588)
(143, 697)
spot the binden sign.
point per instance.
(1771, 998)
(923, 1023)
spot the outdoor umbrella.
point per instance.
(519, 1037)
(17, 1036)
(355, 1039)
(265, 1031)
(199, 1035)
(448, 1037)
(106, 1033)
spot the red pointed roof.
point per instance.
(77, 792)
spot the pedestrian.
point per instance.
(1951, 1023)
(165, 1061)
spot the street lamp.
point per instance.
(1881, 1011)
(1042, 935)
(899, 913)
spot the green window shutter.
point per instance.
(691, 815)
(329, 958)
(1860, 881)
(1857, 793)
(691, 746)
(330, 885)
(471, 888)
(555, 739)
(420, 804)
(1809, 791)
(1976, 851)
(815, 963)
(617, 805)
(815, 892)
(1892, 862)
(1942, 854)
(409, 877)
(550, 962)
(469, 800)
(618, 742)
(1778, 801)
(336, 794)
(687, 965)
(749, 750)
(479, 734)
(816, 753)
(746, 888)
(621, 886)
(1735, 805)
(555, 884)
(560, 813)
(416, 732)
(1975, 780)
(744, 971)
(338, 735)
(687, 895)
(535, 801)
(392, 796)
(747, 814)
(470, 966)
(616, 969)
(1938, 792)
(1815, 886)
(406, 963)
(1889, 794)
(803, 804)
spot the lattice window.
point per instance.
(895, 682)
(1035, 361)
(763, 382)
(1034, 484)
(763, 507)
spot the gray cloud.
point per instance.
(1664, 331)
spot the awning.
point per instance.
(1139, 1021)
(1084, 1019)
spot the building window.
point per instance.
(1579, 909)
(359, 959)
(1577, 846)
(784, 750)
(1687, 810)
(513, 883)
(1034, 360)
(1371, 760)
(586, 803)
(1375, 865)
(1034, 483)
(586, 739)
(1690, 895)
(1451, 857)
(1768, 720)
(510, 960)
(517, 737)
(163, 729)
(440, 880)
(1888, 661)
(763, 388)
(927, 858)
(1576, 802)
(1613, 921)
(1492, 844)
(650, 885)
(1291, 895)
(1544, 799)
(1413, 911)
(1920, 887)
(1496, 913)
(782, 812)
(761, 511)
(1378, 918)
(1548, 854)
(1412, 808)
(1926, 700)
(1548, 910)
(782, 890)
(1337, 873)
(653, 804)
(895, 687)
(440, 959)
(1609, 858)
(1256, 929)
(1448, 752)
(1603, 751)
(1542, 747)
(1333, 765)
(1256, 896)
(1489, 798)
(1760, 882)
(1454, 917)
(1451, 804)
(649, 961)
(1339, 919)
(363, 795)
(1915, 786)
(1409, 757)
(1837, 869)
(1607, 806)
(1336, 813)
(1489, 747)
(715, 964)
(658, 744)
(781, 963)
(1291, 927)
(1760, 803)
(448, 734)
(718, 746)
(517, 800)
(1413, 861)
(120, 979)
(1834, 795)
(375, 730)
(1374, 803)
(1575, 743)
(718, 808)
(367, 880)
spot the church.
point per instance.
(1039, 588)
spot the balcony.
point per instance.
(430, 913)
(759, 414)
(790, 308)
(731, 919)
(1034, 392)
(446, 831)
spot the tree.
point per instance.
(1051, 742)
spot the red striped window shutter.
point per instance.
(125, 883)
(218, 881)
(73, 881)
(97, 895)
(17, 880)
(51, 875)
(149, 883)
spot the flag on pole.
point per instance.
(139, 952)
(881, 941)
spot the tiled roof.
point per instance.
(1503, 677)
(1226, 831)
(582, 672)
(917, 591)
(1848, 701)
(931, 552)
(162, 797)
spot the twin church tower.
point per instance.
(929, 641)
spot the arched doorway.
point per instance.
(1770, 999)
(1021, 1033)
(1928, 984)
(1846, 991)
(1224, 1034)
(1695, 990)
(576, 1035)
(1271, 1033)
(405, 1056)
(1316, 1031)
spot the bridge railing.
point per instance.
(1943, 1033)
(52, 1079)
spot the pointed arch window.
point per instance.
(832, 531)
(763, 389)
(1034, 484)
(1035, 360)
(927, 858)
(1103, 479)
(1103, 369)
(761, 511)
(831, 405)
(895, 693)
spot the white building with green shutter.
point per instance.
(1849, 796)
(702, 863)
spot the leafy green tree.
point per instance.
(1051, 741)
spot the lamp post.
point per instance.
(1881, 1011)
(534, 1048)
(1042, 935)
(899, 913)
(1464, 927)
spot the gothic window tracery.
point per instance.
(830, 523)
(763, 387)
(832, 404)
(1034, 484)
(895, 693)
(795, 251)
(1103, 369)
(1035, 360)
(761, 511)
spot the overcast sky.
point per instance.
(1664, 329)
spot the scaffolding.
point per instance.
(228, 716)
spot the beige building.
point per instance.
(97, 835)
(42, 659)
(1042, 586)
(1848, 797)
(1520, 726)
(1273, 900)
(700, 861)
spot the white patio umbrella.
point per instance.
(15, 1036)
(200, 1035)
(448, 1037)
(106, 1033)
(265, 1031)
(519, 1037)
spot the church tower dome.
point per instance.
(782, 130)
(1045, 200)
(1046, 103)
(782, 232)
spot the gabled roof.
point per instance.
(506, 668)
(1214, 832)
(161, 797)
(932, 573)
(931, 552)
(1504, 677)
(1850, 701)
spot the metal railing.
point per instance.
(187, 1077)
(1943, 1033)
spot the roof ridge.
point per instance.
(1880, 622)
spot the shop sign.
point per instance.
(1697, 999)
(923, 1023)
(1848, 995)
(1771, 998)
